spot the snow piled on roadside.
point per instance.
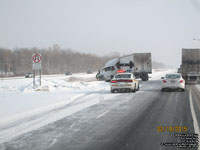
(19, 96)
(24, 107)
(61, 83)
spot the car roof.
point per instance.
(173, 74)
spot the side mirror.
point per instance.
(162, 78)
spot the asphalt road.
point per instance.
(130, 121)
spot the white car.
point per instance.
(173, 81)
(124, 82)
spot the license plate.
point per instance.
(121, 84)
(172, 81)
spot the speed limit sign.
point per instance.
(37, 58)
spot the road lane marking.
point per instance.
(103, 114)
(195, 123)
(197, 94)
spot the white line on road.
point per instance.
(195, 123)
(101, 115)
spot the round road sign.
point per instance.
(37, 58)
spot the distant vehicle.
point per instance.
(173, 81)
(138, 63)
(68, 73)
(28, 75)
(124, 82)
(89, 72)
(190, 67)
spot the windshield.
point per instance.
(173, 76)
(111, 68)
(119, 76)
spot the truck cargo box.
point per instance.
(190, 67)
(142, 62)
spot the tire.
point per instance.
(182, 90)
(138, 88)
(112, 91)
(163, 90)
(134, 90)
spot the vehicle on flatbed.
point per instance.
(173, 81)
(124, 82)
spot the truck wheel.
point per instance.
(145, 79)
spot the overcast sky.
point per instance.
(162, 27)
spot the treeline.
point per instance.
(55, 60)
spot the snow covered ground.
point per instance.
(24, 108)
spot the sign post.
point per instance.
(37, 59)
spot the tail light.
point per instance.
(181, 81)
(164, 81)
(113, 81)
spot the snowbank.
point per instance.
(24, 108)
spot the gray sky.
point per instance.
(162, 27)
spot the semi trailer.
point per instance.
(138, 63)
(190, 67)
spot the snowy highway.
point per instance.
(84, 115)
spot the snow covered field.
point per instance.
(24, 108)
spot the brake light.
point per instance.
(113, 81)
(121, 71)
(164, 81)
(181, 81)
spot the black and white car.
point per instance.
(124, 82)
